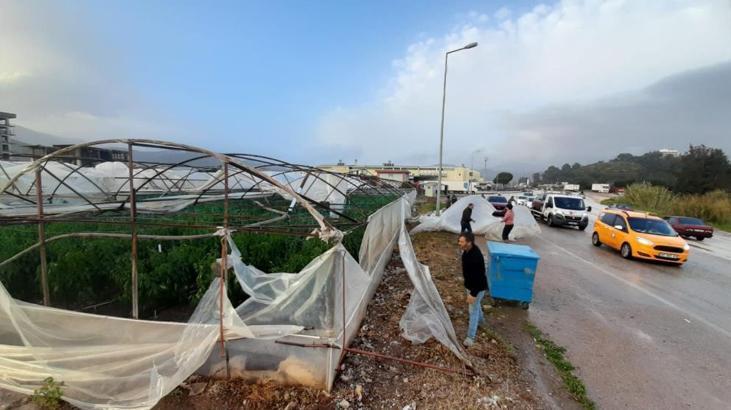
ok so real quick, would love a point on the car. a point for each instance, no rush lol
(688, 226)
(639, 235)
(562, 210)
(499, 202)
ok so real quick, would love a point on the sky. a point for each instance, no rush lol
(318, 82)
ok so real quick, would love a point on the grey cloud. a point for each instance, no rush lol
(693, 107)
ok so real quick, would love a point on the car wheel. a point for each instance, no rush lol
(549, 221)
(700, 238)
(595, 240)
(525, 305)
(582, 228)
(626, 251)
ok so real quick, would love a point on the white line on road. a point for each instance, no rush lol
(648, 293)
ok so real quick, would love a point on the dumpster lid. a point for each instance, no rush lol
(509, 249)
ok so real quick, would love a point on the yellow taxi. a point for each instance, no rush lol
(639, 235)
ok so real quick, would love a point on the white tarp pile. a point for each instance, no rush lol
(291, 329)
(485, 223)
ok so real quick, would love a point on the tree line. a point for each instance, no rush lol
(702, 169)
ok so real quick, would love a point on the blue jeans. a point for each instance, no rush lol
(475, 315)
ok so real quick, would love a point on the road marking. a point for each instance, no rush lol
(647, 292)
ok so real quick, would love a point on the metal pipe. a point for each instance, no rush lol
(133, 227)
(42, 240)
(441, 135)
(441, 130)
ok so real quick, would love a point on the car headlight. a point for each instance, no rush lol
(643, 241)
(686, 247)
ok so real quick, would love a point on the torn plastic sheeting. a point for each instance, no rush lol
(426, 315)
(485, 223)
(108, 362)
(329, 298)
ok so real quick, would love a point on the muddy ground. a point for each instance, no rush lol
(513, 373)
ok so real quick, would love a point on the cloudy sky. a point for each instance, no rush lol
(316, 82)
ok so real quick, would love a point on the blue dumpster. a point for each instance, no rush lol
(510, 272)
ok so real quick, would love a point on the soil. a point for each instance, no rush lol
(512, 372)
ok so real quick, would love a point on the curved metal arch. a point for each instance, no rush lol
(326, 229)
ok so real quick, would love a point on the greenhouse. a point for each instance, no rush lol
(276, 262)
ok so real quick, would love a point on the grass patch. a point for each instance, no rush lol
(425, 207)
(713, 207)
(556, 355)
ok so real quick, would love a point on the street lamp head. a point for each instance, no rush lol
(470, 45)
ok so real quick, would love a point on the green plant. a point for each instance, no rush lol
(713, 207)
(48, 396)
(556, 355)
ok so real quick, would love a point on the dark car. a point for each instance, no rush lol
(498, 202)
(687, 226)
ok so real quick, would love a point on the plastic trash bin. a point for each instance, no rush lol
(511, 270)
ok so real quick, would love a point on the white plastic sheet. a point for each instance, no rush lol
(108, 362)
(485, 223)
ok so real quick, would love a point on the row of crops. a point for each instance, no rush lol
(84, 272)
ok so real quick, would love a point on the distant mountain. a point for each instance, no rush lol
(28, 136)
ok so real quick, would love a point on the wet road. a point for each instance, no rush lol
(642, 335)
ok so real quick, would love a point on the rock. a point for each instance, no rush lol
(290, 406)
(359, 392)
(197, 388)
(410, 406)
(345, 378)
(343, 404)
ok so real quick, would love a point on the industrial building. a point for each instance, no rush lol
(12, 149)
(460, 179)
(6, 132)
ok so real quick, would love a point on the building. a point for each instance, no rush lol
(669, 152)
(397, 176)
(91, 156)
(454, 178)
(6, 133)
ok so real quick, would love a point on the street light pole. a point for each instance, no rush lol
(441, 132)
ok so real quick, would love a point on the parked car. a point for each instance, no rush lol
(499, 202)
(562, 210)
(687, 226)
(639, 235)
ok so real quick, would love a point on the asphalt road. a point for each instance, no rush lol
(642, 335)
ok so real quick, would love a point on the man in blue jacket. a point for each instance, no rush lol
(475, 282)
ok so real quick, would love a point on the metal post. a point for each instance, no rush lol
(224, 267)
(441, 134)
(342, 352)
(444, 103)
(133, 227)
(42, 240)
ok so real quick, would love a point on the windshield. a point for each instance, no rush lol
(651, 226)
(690, 221)
(497, 199)
(576, 204)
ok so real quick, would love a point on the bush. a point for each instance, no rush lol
(48, 396)
(713, 207)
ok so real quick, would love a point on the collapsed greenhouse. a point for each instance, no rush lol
(285, 261)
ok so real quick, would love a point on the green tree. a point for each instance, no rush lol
(503, 178)
(551, 175)
(703, 169)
